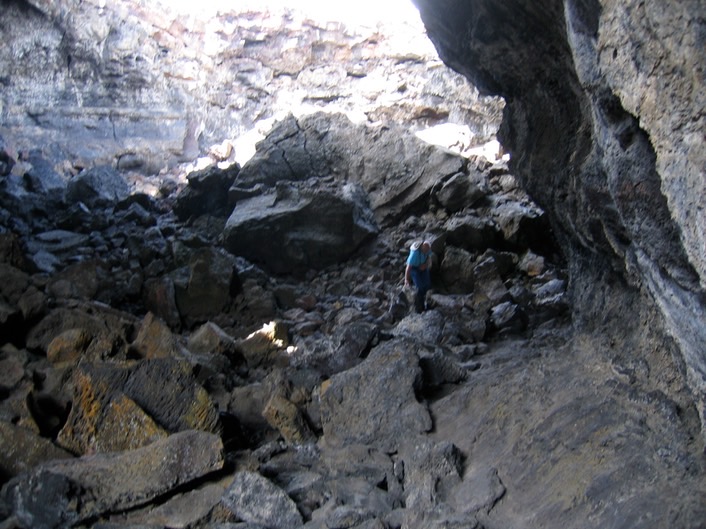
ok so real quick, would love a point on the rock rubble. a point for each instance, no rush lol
(134, 325)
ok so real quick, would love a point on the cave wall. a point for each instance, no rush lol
(140, 87)
(604, 121)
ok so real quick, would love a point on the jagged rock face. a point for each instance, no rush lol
(142, 86)
(604, 121)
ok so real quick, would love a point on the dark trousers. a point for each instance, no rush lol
(422, 282)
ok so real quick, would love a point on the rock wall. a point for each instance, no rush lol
(142, 86)
(604, 121)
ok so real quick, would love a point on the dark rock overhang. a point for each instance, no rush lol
(602, 122)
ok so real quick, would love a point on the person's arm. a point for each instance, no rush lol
(408, 275)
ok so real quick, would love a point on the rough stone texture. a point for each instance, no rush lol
(587, 445)
(386, 383)
(207, 192)
(203, 288)
(167, 390)
(459, 417)
(23, 450)
(104, 420)
(305, 228)
(113, 482)
(253, 498)
(396, 170)
(141, 86)
(614, 152)
(109, 329)
(154, 339)
(179, 511)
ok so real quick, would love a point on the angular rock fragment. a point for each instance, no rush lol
(23, 449)
(283, 415)
(207, 192)
(97, 187)
(374, 403)
(155, 339)
(168, 391)
(105, 420)
(304, 229)
(80, 489)
(255, 499)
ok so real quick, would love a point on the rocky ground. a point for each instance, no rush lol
(210, 357)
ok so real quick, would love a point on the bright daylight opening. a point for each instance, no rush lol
(398, 20)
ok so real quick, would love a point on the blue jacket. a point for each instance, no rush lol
(417, 258)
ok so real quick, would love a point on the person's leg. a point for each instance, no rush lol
(420, 293)
(424, 286)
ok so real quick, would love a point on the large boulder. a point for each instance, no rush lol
(207, 192)
(396, 169)
(294, 229)
(375, 402)
(99, 186)
(80, 489)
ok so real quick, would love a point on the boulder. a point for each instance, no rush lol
(461, 191)
(210, 339)
(77, 490)
(69, 346)
(41, 177)
(375, 402)
(265, 345)
(110, 330)
(490, 288)
(168, 391)
(47, 248)
(14, 283)
(508, 317)
(206, 192)
(247, 404)
(440, 369)
(103, 419)
(283, 415)
(306, 228)
(11, 251)
(190, 508)
(457, 270)
(160, 298)
(97, 187)
(332, 353)
(256, 500)
(324, 145)
(88, 280)
(12, 369)
(471, 232)
(424, 329)
(155, 339)
(23, 450)
(523, 226)
(431, 471)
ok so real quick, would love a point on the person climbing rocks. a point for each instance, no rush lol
(418, 271)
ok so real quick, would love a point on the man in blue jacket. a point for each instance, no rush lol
(418, 272)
